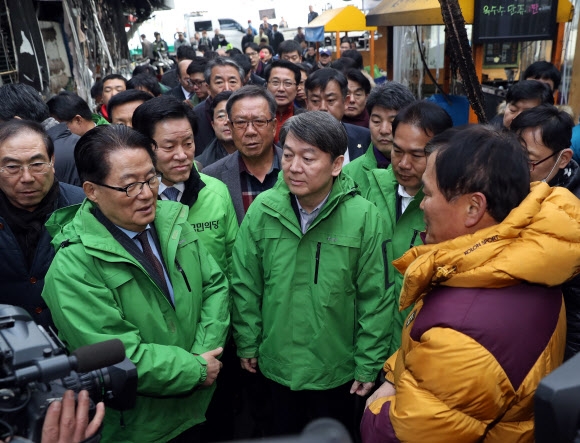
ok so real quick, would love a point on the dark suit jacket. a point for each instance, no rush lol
(170, 78)
(228, 171)
(177, 92)
(256, 80)
(359, 140)
(205, 133)
(64, 147)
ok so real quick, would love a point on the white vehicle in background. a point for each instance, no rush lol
(230, 28)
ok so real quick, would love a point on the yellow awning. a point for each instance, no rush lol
(428, 12)
(349, 18)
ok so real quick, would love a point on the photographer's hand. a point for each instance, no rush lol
(63, 424)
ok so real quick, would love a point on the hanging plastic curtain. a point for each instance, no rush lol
(314, 34)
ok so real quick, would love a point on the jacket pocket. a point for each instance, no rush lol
(115, 277)
(384, 247)
(332, 263)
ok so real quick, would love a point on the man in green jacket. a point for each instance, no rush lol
(172, 124)
(130, 267)
(383, 104)
(397, 191)
(310, 301)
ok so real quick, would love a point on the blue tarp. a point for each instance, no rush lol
(314, 34)
(457, 106)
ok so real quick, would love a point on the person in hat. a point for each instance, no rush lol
(325, 58)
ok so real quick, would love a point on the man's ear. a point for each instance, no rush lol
(565, 158)
(337, 165)
(476, 208)
(90, 191)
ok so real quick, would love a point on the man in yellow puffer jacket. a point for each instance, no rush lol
(489, 322)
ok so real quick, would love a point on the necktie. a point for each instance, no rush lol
(150, 256)
(171, 193)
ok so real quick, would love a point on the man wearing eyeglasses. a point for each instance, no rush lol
(23, 101)
(221, 74)
(282, 79)
(255, 166)
(132, 267)
(29, 193)
(546, 132)
(196, 73)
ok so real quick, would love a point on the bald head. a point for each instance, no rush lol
(182, 75)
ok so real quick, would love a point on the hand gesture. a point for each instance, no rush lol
(249, 364)
(213, 365)
(386, 390)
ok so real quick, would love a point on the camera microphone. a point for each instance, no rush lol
(91, 357)
(84, 359)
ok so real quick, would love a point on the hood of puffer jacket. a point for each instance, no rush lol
(538, 242)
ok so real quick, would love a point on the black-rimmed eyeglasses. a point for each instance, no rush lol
(134, 189)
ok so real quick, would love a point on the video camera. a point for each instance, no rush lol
(36, 370)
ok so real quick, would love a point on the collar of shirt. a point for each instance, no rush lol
(186, 93)
(405, 198)
(275, 163)
(131, 234)
(306, 218)
(179, 186)
(346, 158)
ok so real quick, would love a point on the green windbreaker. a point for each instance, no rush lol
(96, 291)
(314, 308)
(214, 219)
(359, 169)
(403, 234)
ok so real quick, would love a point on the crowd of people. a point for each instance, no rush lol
(276, 241)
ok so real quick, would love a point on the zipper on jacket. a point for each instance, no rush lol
(354, 323)
(386, 263)
(317, 263)
(180, 269)
(415, 234)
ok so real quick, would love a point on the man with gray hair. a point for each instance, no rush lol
(308, 282)
(221, 74)
(383, 104)
(254, 167)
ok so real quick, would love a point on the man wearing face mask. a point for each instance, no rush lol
(545, 132)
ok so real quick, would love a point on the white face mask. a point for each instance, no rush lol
(553, 167)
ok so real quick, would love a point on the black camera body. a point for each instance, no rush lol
(35, 370)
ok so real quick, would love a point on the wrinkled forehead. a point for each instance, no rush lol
(24, 143)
